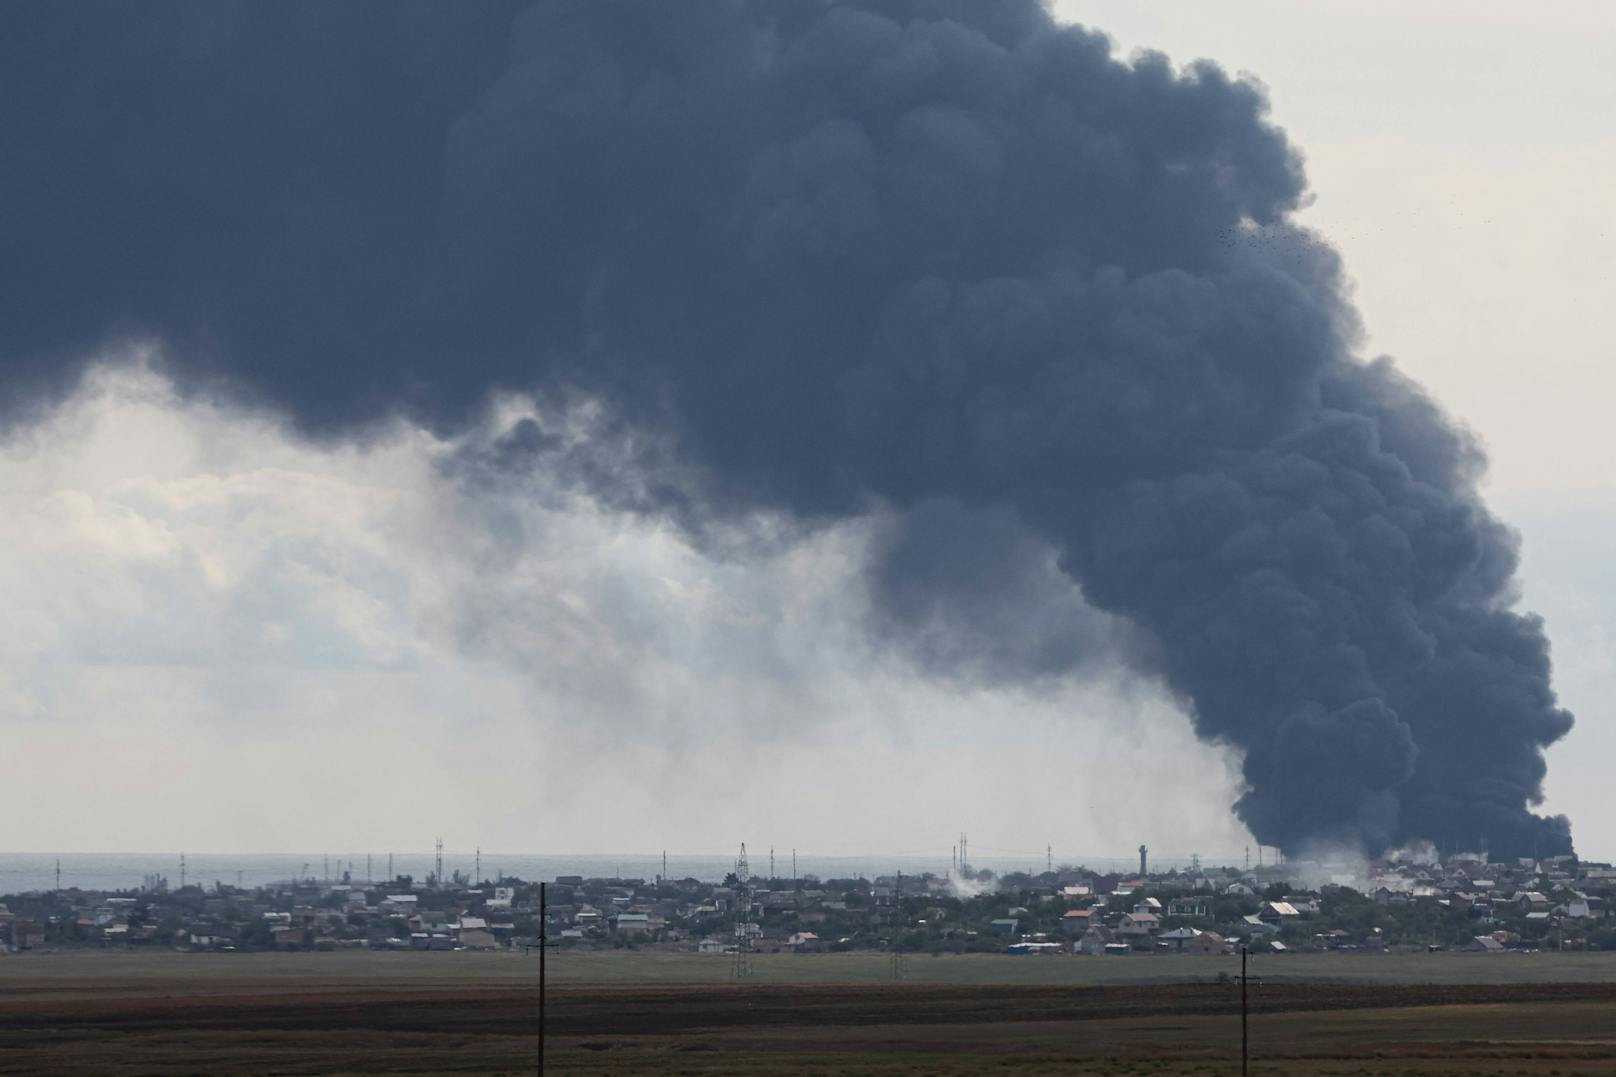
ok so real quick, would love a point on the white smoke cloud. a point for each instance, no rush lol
(222, 635)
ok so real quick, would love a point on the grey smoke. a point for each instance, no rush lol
(945, 257)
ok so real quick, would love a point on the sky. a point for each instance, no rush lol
(224, 636)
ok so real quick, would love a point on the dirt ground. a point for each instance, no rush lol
(186, 1017)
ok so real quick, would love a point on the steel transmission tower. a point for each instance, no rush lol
(742, 965)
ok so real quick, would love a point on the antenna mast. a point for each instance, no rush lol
(743, 917)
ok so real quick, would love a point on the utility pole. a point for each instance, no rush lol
(894, 922)
(544, 944)
(1245, 1052)
(795, 877)
(771, 863)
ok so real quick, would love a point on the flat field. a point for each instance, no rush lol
(1403, 1015)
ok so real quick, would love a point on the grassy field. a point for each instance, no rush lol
(1403, 1015)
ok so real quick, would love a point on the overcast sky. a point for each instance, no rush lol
(222, 637)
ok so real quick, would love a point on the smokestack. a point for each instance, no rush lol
(946, 258)
(1144, 870)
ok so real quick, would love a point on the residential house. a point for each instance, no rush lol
(1189, 907)
(1077, 921)
(1207, 944)
(1277, 912)
(1178, 938)
(1138, 925)
(1094, 941)
(1256, 926)
(478, 939)
(634, 923)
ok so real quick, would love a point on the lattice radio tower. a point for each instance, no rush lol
(741, 967)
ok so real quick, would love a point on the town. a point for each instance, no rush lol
(1461, 903)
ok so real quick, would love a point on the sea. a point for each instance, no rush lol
(32, 872)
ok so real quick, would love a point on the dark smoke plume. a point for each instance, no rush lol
(901, 252)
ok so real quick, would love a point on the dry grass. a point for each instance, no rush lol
(392, 1014)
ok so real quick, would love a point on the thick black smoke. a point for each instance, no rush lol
(911, 252)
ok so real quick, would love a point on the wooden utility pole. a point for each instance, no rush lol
(544, 942)
(1245, 1054)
